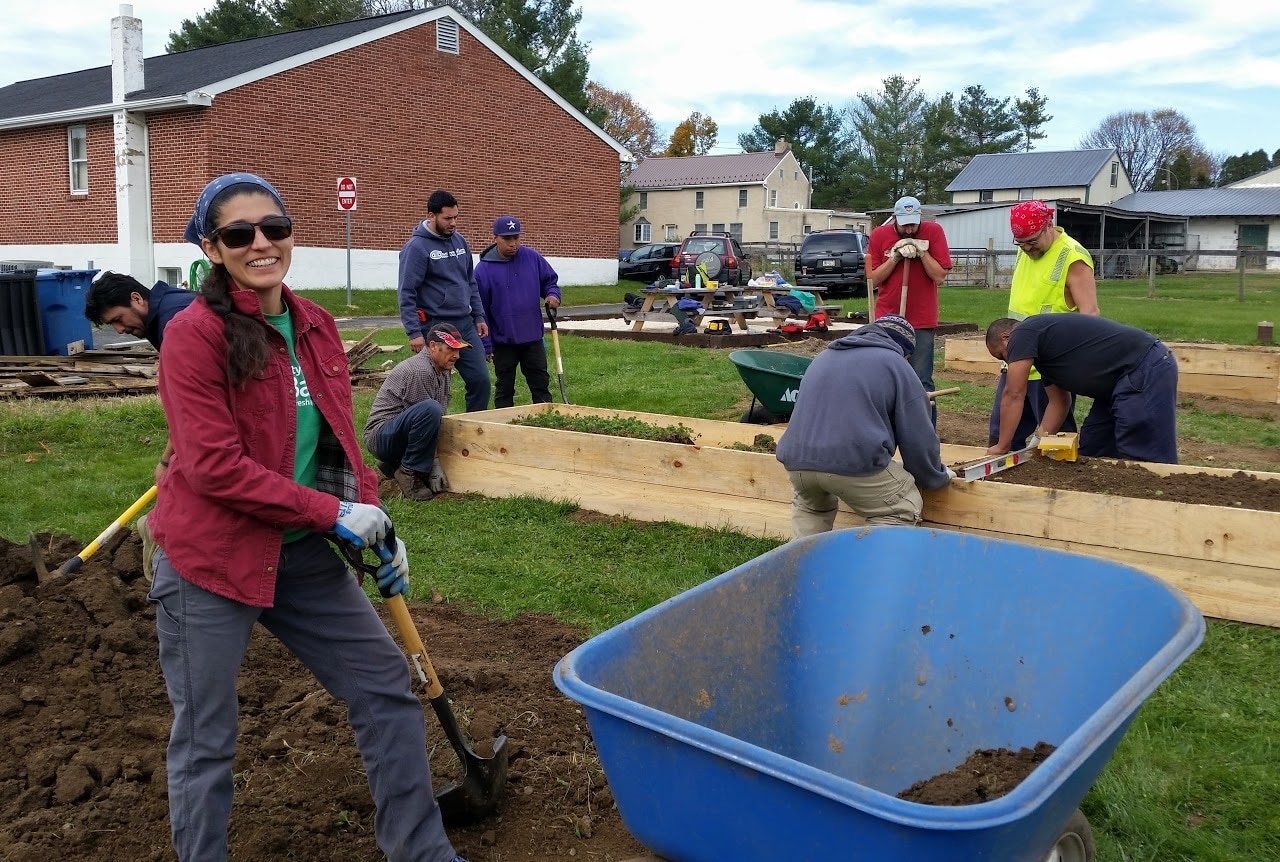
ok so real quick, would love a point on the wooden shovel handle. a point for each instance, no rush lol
(950, 390)
(413, 644)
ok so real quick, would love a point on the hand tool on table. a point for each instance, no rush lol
(483, 778)
(555, 343)
(1062, 446)
(71, 566)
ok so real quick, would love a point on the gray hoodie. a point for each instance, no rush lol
(859, 401)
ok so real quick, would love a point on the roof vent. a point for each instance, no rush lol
(447, 36)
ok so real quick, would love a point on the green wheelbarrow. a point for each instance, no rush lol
(774, 380)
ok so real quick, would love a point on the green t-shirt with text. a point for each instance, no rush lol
(309, 419)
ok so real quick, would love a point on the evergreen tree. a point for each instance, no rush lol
(1032, 117)
(885, 129)
(985, 124)
(227, 21)
(813, 131)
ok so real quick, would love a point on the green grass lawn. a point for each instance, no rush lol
(1197, 777)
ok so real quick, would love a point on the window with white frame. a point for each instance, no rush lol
(717, 227)
(1025, 194)
(773, 197)
(1115, 174)
(773, 230)
(644, 231)
(700, 228)
(698, 199)
(808, 228)
(735, 230)
(644, 200)
(671, 234)
(170, 275)
(986, 196)
(447, 36)
(742, 198)
(78, 159)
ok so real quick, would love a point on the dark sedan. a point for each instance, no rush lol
(649, 262)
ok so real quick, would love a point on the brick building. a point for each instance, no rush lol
(105, 164)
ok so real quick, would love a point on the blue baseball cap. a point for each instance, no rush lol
(506, 226)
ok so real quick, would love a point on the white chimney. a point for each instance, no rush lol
(126, 54)
(781, 146)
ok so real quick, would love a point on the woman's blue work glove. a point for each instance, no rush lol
(361, 524)
(393, 574)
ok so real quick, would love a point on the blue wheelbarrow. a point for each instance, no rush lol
(774, 380)
(776, 711)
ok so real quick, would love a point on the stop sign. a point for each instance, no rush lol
(346, 193)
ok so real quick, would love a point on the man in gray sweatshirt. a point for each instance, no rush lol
(859, 403)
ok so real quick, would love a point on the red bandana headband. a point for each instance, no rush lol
(1029, 218)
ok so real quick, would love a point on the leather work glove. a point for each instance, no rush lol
(909, 250)
(922, 245)
(437, 481)
(393, 574)
(361, 524)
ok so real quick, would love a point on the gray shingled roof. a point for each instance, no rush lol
(663, 172)
(1031, 170)
(175, 74)
(1260, 201)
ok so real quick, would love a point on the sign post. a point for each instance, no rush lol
(347, 202)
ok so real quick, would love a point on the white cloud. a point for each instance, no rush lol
(1217, 63)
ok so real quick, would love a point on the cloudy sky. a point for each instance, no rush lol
(1219, 64)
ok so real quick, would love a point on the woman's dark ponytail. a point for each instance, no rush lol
(247, 347)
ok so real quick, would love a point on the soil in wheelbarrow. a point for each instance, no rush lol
(984, 775)
(1239, 490)
(84, 721)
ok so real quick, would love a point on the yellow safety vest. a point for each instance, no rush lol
(1040, 284)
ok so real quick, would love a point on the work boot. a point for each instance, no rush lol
(686, 327)
(387, 470)
(148, 546)
(412, 484)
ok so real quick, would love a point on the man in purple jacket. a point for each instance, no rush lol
(514, 280)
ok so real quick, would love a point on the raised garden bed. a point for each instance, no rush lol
(1222, 557)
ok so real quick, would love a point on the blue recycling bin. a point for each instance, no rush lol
(62, 295)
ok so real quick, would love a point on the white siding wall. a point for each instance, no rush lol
(1223, 234)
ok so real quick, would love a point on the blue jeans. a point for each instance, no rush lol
(1139, 422)
(324, 618)
(410, 438)
(922, 364)
(471, 366)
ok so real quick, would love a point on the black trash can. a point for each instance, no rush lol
(21, 333)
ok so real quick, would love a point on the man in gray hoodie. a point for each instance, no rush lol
(859, 402)
(438, 285)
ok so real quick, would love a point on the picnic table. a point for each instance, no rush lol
(708, 297)
(770, 308)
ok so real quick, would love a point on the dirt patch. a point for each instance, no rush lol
(1238, 491)
(984, 775)
(84, 721)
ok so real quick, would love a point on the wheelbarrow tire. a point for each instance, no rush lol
(758, 414)
(1075, 841)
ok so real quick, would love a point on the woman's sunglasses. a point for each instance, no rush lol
(238, 234)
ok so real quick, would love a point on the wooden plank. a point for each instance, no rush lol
(1229, 386)
(1196, 532)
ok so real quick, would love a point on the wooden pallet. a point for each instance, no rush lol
(1226, 560)
(1224, 370)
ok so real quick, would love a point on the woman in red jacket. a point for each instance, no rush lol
(266, 461)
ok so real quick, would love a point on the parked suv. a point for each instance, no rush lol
(720, 253)
(834, 260)
(649, 262)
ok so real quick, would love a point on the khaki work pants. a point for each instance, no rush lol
(888, 497)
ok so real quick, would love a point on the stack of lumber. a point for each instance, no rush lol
(120, 372)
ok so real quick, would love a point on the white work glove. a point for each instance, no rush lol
(437, 481)
(393, 574)
(910, 251)
(1034, 439)
(361, 524)
(951, 474)
(905, 247)
(922, 245)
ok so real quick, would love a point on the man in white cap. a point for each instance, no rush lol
(908, 259)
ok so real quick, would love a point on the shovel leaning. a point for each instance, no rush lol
(71, 566)
(555, 344)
